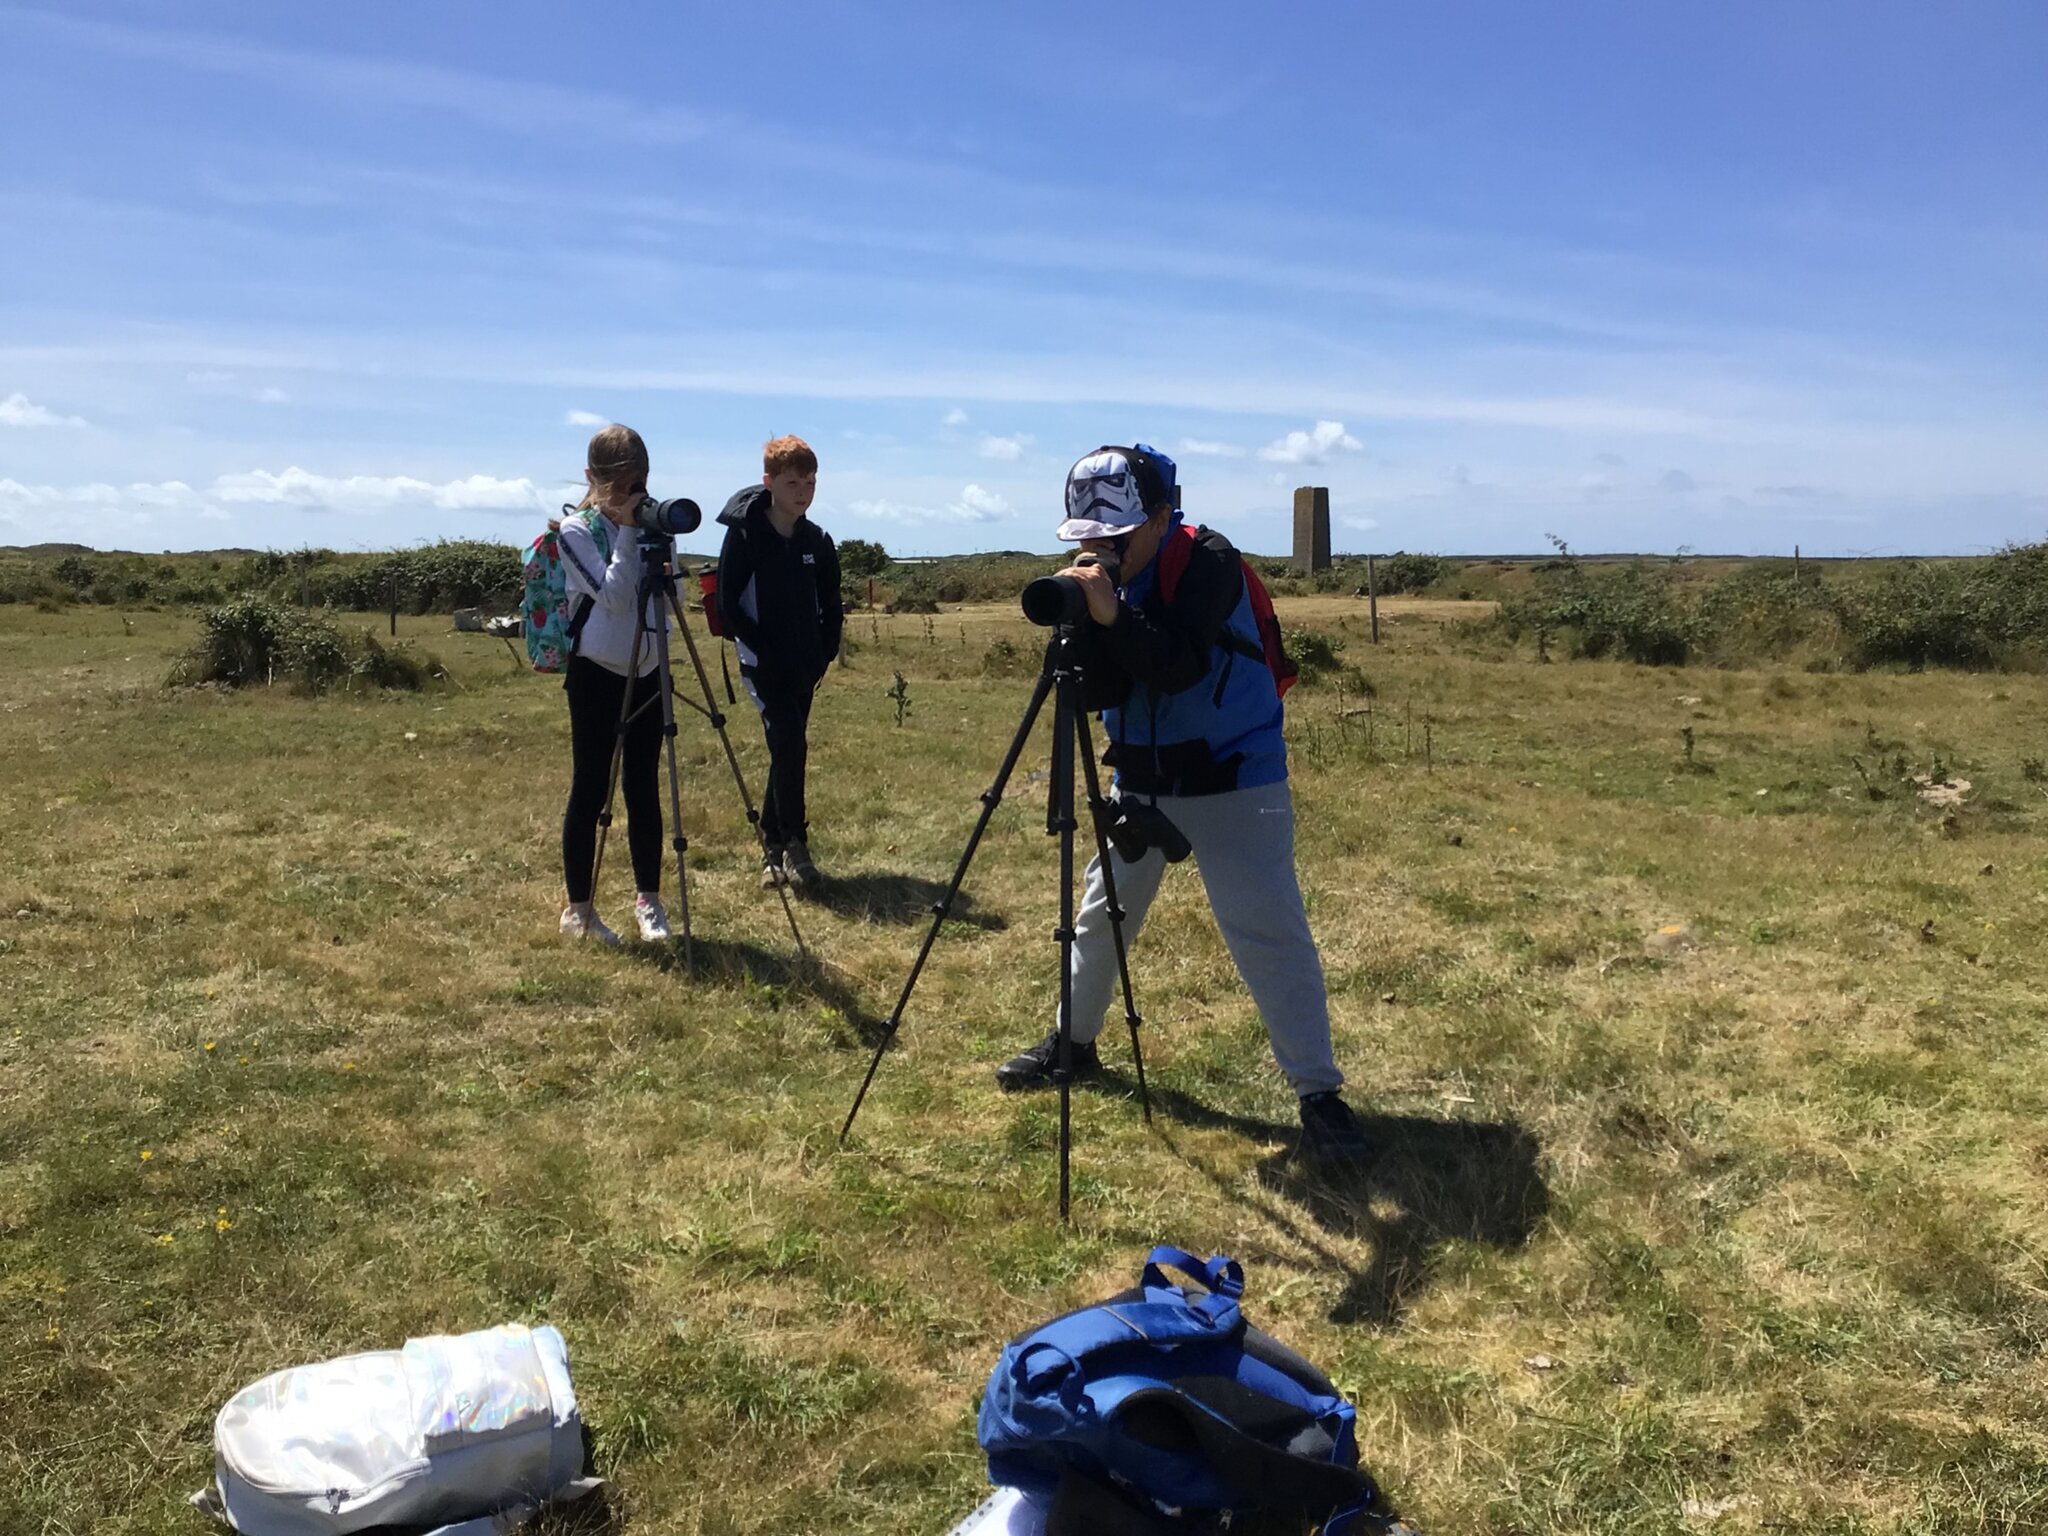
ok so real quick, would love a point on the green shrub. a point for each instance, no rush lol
(75, 573)
(1006, 658)
(254, 642)
(1763, 612)
(23, 580)
(917, 592)
(1403, 572)
(862, 558)
(1319, 659)
(1634, 612)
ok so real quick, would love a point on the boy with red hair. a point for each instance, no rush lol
(778, 597)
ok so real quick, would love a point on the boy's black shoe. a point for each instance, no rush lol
(797, 868)
(1033, 1068)
(1330, 1132)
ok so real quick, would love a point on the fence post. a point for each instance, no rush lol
(1372, 597)
(393, 586)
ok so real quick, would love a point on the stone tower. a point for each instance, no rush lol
(1311, 528)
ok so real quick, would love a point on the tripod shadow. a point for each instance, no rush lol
(1432, 1182)
(738, 965)
(881, 896)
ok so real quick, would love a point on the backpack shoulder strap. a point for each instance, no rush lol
(1173, 561)
(593, 524)
(1249, 1459)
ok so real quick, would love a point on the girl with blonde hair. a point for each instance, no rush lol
(602, 567)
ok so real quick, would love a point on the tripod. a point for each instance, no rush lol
(1061, 678)
(658, 570)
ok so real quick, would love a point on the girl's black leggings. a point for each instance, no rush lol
(595, 695)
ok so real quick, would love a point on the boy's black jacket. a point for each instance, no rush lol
(796, 592)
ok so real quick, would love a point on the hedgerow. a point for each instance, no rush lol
(1915, 613)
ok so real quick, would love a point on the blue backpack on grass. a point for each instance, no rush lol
(1165, 1398)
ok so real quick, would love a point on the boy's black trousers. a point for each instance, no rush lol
(786, 720)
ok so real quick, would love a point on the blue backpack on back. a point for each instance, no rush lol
(552, 624)
(1167, 1395)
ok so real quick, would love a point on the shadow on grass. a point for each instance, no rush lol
(879, 896)
(1431, 1182)
(595, 1514)
(741, 966)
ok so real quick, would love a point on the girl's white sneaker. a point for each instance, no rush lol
(582, 922)
(653, 919)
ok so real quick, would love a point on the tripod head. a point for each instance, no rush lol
(657, 566)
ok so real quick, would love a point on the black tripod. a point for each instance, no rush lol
(1060, 677)
(658, 570)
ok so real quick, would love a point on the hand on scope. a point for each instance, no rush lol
(1099, 588)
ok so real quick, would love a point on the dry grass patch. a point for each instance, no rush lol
(1770, 1201)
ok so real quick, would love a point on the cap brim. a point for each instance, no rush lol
(1075, 528)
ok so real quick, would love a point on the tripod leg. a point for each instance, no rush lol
(1097, 808)
(990, 799)
(679, 840)
(709, 709)
(1059, 820)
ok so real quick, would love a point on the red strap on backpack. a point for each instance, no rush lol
(1174, 555)
(707, 589)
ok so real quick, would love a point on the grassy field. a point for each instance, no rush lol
(1707, 1069)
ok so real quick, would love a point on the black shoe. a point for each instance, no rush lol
(1330, 1132)
(1033, 1068)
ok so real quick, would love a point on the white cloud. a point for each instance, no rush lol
(1198, 445)
(270, 394)
(953, 418)
(1008, 449)
(15, 496)
(888, 511)
(362, 493)
(979, 506)
(1311, 447)
(294, 487)
(974, 505)
(17, 410)
(585, 419)
(209, 376)
(1361, 523)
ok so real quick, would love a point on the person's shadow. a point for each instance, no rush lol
(739, 964)
(883, 896)
(1431, 1182)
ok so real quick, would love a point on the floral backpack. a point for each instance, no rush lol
(551, 627)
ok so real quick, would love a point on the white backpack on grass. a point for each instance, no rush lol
(454, 1435)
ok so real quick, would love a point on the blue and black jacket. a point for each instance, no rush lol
(1195, 710)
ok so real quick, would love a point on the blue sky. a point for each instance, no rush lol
(1734, 276)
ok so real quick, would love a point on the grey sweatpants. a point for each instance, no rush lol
(1244, 846)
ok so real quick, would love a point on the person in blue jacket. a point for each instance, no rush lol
(1193, 717)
